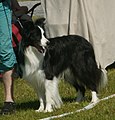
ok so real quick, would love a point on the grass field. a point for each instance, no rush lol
(27, 102)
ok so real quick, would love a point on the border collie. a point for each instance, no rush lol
(43, 61)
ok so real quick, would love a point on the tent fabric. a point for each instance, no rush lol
(92, 19)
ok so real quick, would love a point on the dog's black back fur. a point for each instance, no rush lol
(75, 53)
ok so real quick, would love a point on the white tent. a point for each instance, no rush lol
(92, 19)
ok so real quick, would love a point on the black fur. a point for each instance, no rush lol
(75, 53)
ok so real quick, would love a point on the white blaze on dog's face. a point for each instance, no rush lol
(44, 41)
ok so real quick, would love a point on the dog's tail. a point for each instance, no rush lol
(103, 78)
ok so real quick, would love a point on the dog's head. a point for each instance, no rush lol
(33, 35)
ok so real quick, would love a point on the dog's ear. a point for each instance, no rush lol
(40, 22)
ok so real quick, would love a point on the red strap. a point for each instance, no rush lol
(17, 34)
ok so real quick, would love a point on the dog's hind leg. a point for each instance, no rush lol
(80, 94)
(53, 99)
(102, 83)
(80, 89)
(72, 79)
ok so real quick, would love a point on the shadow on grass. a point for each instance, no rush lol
(68, 99)
(28, 105)
(35, 104)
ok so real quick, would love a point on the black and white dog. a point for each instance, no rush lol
(43, 60)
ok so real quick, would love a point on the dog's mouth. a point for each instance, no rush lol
(41, 49)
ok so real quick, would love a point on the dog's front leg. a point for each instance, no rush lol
(49, 95)
(42, 105)
(42, 98)
(53, 99)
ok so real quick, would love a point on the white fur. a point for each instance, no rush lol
(32, 72)
(94, 97)
(43, 40)
(53, 99)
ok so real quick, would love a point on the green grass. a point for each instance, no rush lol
(27, 102)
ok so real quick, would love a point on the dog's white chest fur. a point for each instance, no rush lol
(32, 70)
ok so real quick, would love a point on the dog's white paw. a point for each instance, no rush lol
(94, 97)
(41, 109)
(95, 100)
(48, 108)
